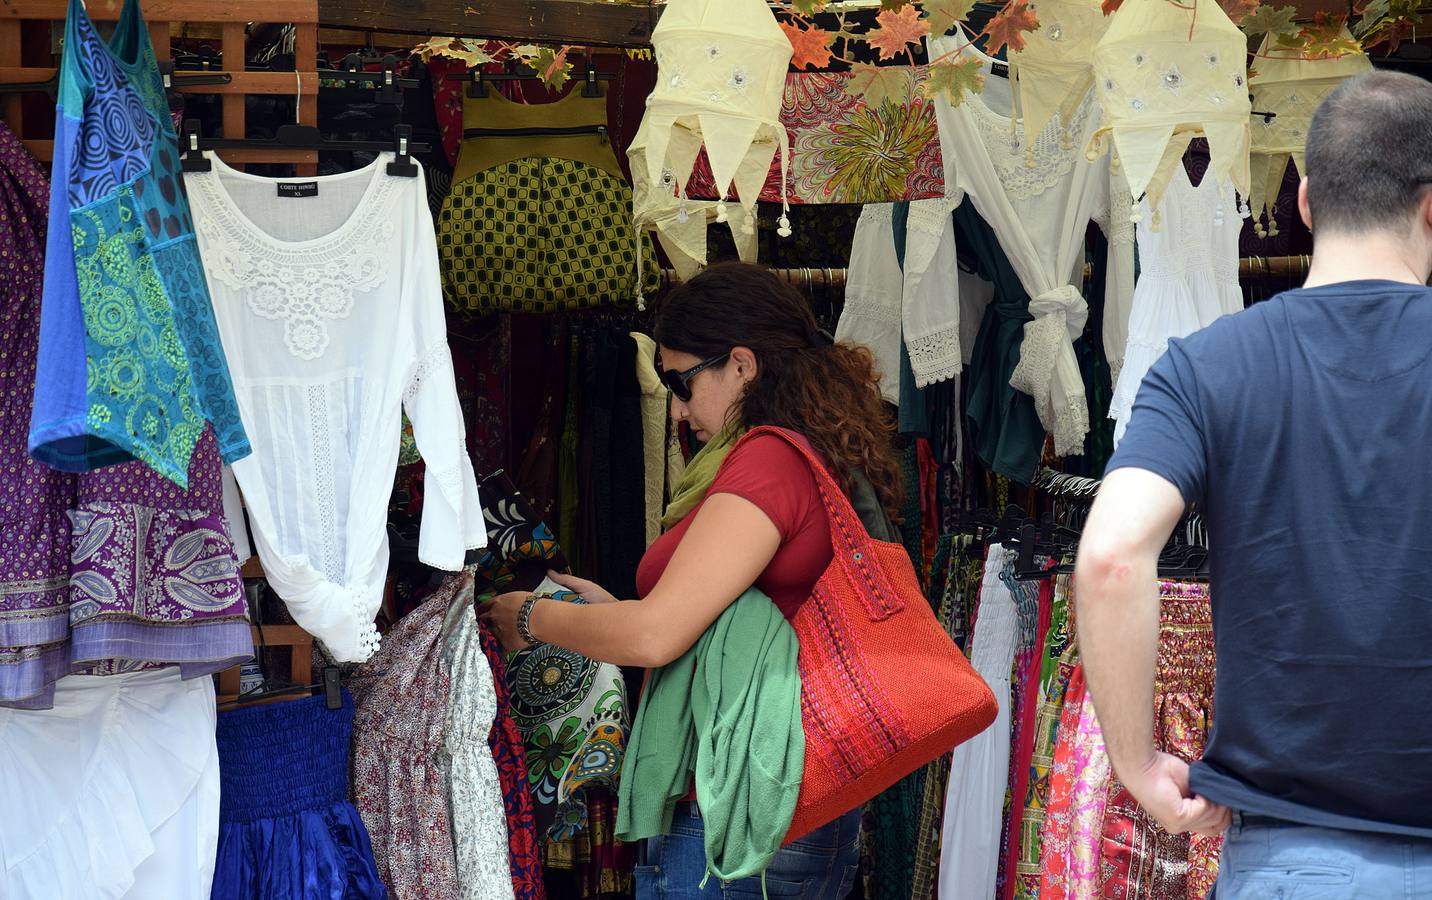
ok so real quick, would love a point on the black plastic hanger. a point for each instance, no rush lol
(300, 137)
(390, 86)
(477, 80)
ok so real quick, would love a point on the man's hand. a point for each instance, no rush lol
(1161, 787)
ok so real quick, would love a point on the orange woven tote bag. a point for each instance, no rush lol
(883, 688)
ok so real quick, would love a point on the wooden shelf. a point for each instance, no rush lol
(584, 22)
(300, 647)
(167, 10)
(25, 32)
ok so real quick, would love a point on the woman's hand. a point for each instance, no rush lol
(500, 613)
(589, 591)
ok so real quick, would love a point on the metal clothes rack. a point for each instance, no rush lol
(1249, 267)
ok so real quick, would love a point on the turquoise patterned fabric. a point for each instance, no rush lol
(130, 364)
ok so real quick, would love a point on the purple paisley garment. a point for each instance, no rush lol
(113, 570)
(34, 530)
(153, 577)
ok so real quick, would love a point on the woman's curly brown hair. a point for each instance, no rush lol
(828, 392)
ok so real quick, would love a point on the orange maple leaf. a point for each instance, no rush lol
(897, 29)
(811, 46)
(1008, 26)
(1110, 7)
(1238, 10)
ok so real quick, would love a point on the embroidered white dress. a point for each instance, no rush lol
(1188, 276)
(1038, 194)
(330, 309)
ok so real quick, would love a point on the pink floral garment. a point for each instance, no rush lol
(401, 700)
(1058, 826)
(1087, 798)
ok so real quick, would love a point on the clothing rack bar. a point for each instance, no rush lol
(806, 279)
(1274, 266)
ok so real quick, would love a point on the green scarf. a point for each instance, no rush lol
(700, 472)
(728, 712)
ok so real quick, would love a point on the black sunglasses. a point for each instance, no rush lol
(679, 383)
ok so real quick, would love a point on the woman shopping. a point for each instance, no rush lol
(748, 536)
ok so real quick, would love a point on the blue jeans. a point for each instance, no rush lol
(819, 866)
(1270, 859)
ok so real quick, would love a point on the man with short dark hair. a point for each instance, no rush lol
(1301, 429)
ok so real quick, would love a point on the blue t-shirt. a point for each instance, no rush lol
(1302, 428)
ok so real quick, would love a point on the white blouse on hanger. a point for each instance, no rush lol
(1038, 197)
(1188, 276)
(329, 305)
(919, 302)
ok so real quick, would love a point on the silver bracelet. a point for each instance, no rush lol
(524, 615)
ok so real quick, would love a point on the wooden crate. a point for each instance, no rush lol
(25, 28)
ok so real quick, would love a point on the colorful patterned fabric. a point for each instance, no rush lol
(1141, 860)
(153, 576)
(1058, 828)
(124, 287)
(572, 713)
(1027, 653)
(521, 548)
(592, 863)
(539, 235)
(397, 785)
(1041, 764)
(1088, 798)
(35, 542)
(844, 150)
(511, 758)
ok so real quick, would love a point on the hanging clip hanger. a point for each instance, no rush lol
(477, 80)
(403, 166)
(390, 85)
(173, 80)
(298, 136)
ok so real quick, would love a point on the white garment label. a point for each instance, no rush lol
(298, 189)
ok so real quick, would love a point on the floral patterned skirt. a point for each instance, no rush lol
(1139, 858)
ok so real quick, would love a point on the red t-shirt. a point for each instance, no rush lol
(775, 476)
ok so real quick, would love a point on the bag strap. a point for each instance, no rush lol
(852, 547)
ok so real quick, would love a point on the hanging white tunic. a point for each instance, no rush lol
(329, 305)
(1038, 193)
(1188, 276)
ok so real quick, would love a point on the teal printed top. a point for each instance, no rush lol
(130, 363)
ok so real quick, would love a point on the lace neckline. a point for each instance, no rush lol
(1025, 168)
(303, 284)
(228, 210)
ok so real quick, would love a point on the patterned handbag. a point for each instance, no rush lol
(883, 688)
